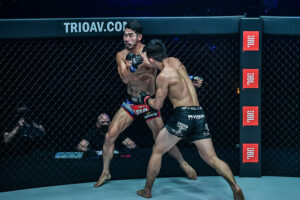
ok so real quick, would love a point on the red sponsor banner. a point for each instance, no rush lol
(250, 115)
(250, 40)
(250, 78)
(250, 153)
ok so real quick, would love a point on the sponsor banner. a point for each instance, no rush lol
(250, 115)
(250, 40)
(93, 26)
(250, 153)
(250, 78)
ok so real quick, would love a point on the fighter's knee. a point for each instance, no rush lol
(110, 136)
(212, 160)
(157, 149)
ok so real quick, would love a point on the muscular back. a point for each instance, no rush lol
(181, 90)
(143, 79)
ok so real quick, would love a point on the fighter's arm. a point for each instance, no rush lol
(123, 67)
(162, 84)
(146, 62)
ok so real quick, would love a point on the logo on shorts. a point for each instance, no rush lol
(250, 40)
(250, 153)
(250, 115)
(139, 109)
(195, 117)
(181, 127)
(250, 78)
(192, 108)
(207, 130)
(205, 134)
(149, 114)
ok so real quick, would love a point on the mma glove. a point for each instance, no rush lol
(136, 61)
(195, 77)
(144, 97)
(129, 56)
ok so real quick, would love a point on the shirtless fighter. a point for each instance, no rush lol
(135, 71)
(187, 121)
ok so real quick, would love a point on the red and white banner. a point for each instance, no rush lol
(250, 115)
(250, 40)
(250, 153)
(250, 78)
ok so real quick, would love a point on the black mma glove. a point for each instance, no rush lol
(136, 61)
(129, 56)
(143, 98)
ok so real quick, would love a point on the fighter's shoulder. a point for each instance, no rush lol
(162, 77)
(172, 61)
(122, 54)
(171, 65)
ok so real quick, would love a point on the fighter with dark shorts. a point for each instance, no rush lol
(187, 120)
(188, 123)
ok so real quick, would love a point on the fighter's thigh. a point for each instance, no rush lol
(205, 148)
(165, 141)
(119, 123)
(156, 126)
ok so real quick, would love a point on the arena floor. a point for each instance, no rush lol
(205, 188)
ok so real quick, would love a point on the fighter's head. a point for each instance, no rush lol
(156, 52)
(132, 34)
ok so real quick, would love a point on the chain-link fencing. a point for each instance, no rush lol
(66, 83)
(280, 106)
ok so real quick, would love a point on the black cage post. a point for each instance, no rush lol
(250, 96)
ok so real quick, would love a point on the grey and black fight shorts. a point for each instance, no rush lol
(134, 109)
(188, 123)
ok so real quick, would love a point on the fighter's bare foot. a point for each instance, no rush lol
(238, 194)
(190, 172)
(144, 194)
(104, 177)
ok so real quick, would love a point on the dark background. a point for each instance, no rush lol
(118, 8)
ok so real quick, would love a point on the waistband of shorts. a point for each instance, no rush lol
(132, 99)
(188, 108)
